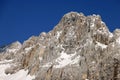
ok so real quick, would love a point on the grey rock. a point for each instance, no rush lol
(78, 48)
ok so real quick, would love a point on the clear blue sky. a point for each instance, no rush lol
(20, 19)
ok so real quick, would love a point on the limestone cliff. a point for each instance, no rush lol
(78, 48)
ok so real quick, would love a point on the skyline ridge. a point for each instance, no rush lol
(21, 19)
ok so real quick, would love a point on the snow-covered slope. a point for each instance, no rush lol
(20, 75)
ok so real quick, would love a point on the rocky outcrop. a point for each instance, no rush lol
(10, 51)
(78, 48)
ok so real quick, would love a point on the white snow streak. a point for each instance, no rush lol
(101, 45)
(110, 35)
(29, 48)
(5, 61)
(40, 58)
(92, 24)
(118, 40)
(64, 60)
(58, 34)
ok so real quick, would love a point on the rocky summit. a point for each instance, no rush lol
(78, 48)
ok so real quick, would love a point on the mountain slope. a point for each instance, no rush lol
(78, 48)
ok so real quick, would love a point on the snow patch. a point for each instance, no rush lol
(58, 34)
(76, 60)
(40, 58)
(92, 24)
(113, 44)
(3, 67)
(5, 61)
(110, 35)
(20, 75)
(102, 22)
(118, 40)
(93, 62)
(66, 59)
(12, 50)
(101, 45)
(28, 48)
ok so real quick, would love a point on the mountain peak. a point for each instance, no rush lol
(79, 20)
(78, 48)
(73, 14)
(76, 26)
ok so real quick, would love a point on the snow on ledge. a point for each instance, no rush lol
(63, 60)
(118, 40)
(58, 34)
(101, 45)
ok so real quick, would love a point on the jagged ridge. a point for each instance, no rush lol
(78, 48)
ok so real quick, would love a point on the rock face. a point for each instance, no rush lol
(78, 48)
(9, 51)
